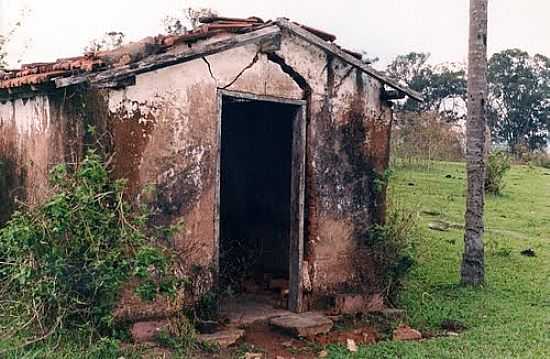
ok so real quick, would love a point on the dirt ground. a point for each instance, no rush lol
(263, 340)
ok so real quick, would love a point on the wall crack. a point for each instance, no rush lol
(287, 69)
(348, 73)
(247, 67)
(210, 70)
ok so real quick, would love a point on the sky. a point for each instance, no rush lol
(54, 29)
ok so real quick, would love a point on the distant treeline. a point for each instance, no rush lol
(518, 110)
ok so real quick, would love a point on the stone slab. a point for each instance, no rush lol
(302, 325)
(247, 309)
(404, 333)
(224, 338)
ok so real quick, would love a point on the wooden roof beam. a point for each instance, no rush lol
(342, 55)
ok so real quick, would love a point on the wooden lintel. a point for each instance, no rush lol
(265, 98)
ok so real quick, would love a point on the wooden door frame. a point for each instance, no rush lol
(297, 191)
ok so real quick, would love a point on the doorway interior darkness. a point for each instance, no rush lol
(257, 198)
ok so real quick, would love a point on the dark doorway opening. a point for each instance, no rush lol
(256, 170)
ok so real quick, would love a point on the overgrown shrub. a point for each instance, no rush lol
(180, 336)
(393, 244)
(62, 264)
(498, 164)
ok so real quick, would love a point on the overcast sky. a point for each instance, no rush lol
(383, 28)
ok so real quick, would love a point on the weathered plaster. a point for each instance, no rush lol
(165, 130)
(163, 137)
(344, 147)
(27, 145)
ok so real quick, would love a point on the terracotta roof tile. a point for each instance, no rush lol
(322, 34)
(37, 73)
(33, 79)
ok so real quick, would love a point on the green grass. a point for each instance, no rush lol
(510, 316)
(70, 346)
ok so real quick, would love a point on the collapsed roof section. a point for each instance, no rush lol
(119, 67)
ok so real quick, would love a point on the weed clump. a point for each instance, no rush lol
(498, 164)
(62, 263)
(387, 253)
(394, 247)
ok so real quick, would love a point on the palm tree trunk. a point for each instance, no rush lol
(473, 261)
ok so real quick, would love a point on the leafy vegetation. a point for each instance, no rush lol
(188, 20)
(519, 89)
(3, 53)
(62, 264)
(8, 36)
(424, 137)
(71, 345)
(509, 316)
(519, 93)
(498, 164)
(393, 244)
(108, 41)
(180, 338)
(443, 86)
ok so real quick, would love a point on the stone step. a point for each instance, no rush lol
(302, 325)
(224, 338)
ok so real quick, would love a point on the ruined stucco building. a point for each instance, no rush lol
(263, 133)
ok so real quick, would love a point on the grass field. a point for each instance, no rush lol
(510, 316)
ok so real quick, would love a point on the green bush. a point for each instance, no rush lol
(394, 246)
(62, 264)
(498, 164)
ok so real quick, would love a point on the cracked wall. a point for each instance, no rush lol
(163, 136)
(165, 130)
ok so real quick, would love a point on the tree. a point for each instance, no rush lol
(367, 58)
(8, 36)
(3, 53)
(473, 260)
(519, 99)
(109, 41)
(10, 33)
(443, 86)
(424, 136)
(177, 25)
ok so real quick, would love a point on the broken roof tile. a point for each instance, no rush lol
(36, 73)
(322, 34)
(33, 79)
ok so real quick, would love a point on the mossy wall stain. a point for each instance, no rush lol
(35, 135)
(346, 149)
(161, 134)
